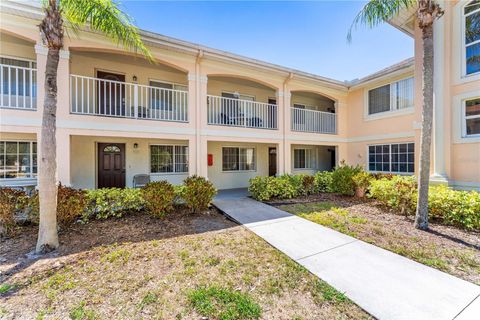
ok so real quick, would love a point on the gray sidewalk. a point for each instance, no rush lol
(386, 285)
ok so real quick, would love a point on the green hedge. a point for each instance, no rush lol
(454, 207)
(459, 208)
(157, 198)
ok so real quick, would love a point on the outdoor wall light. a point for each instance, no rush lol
(135, 145)
(135, 78)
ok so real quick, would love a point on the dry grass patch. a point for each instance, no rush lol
(182, 267)
(446, 248)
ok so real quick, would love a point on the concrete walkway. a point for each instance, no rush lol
(386, 285)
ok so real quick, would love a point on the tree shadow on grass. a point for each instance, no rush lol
(15, 252)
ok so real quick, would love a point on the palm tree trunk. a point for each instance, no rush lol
(421, 217)
(47, 233)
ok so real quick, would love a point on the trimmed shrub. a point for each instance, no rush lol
(71, 205)
(11, 202)
(198, 193)
(282, 187)
(113, 202)
(460, 208)
(398, 193)
(342, 179)
(159, 197)
(308, 184)
(258, 188)
(323, 181)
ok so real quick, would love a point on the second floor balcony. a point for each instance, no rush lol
(312, 113)
(101, 97)
(313, 121)
(235, 112)
(18, 85)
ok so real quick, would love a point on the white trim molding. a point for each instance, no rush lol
(458, 127)
(458, 46)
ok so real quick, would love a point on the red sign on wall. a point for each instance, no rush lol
(210, 160)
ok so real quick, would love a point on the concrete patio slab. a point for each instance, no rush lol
(300, 238)
(385, 284)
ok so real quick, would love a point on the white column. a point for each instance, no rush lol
(439, 167)
(201, 124)
(63, 157)
(193, 114)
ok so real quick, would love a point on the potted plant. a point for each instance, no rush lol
(362, 182)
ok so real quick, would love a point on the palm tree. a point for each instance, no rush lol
(427, 11)
(99, 15)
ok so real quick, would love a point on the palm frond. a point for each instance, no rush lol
(376, 12)
(106, 17)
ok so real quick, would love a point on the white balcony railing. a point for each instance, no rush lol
(241, 113)
(305, 120)
(18, 87)
(93, 96)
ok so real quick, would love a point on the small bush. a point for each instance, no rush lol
(11, 202)
(258, 188)
(308, 184)
(460, 208)
(159, 197)
(398, 193)
(323, 181)
(223, 303)
(267, 188)
(198, 193)
(342, 179)
(71, 205)
(113, 202)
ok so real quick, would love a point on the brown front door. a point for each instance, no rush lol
(111, 95)
(111, 165)
(272, 161)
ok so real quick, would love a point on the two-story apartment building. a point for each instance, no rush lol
(202, 111)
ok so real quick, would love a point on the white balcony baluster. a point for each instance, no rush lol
(241, 113)
(18, 87)
(93, 96)
(305, 120)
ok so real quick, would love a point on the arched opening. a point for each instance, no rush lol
(313, 112)
(241, 102)
(18, 72)
(124, 85)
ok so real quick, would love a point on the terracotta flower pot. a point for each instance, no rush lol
(360, 192)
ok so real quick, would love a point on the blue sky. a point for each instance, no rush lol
(309, 36)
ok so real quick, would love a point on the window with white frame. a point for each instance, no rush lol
(18, 159)
(302, 159)
(238, 159)
(392, 158)
(168, 159)
(471, 14)
(391, 97)
(472, 117)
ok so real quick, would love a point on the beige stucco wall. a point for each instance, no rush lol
(15, 47)
(88, 63)
(312, 101)
(229, 180)
(261, 93)
(83, 157)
